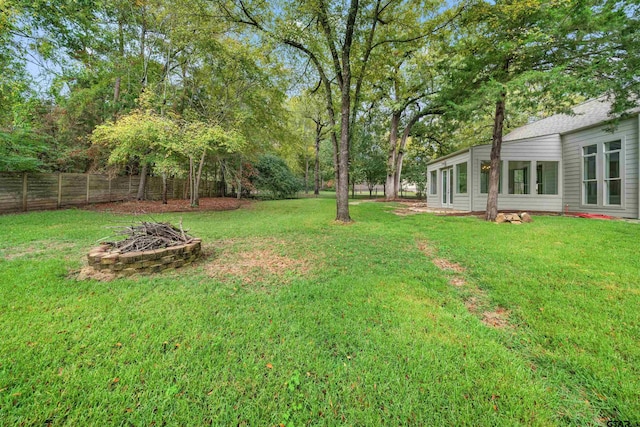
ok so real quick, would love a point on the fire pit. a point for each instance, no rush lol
(149, 248)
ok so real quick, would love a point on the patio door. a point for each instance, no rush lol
(447, 187)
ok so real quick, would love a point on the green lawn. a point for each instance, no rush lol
(295, 319)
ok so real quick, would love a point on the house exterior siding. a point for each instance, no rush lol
(563, 163)
(545, 148)
(573, 143)
(461, 201)
(533, 150)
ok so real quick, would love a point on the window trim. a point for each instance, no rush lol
(541, 163)
(433, 185)
(466, 178)
(584, 181)
(600, 172)
(526, 178)
(606, 180)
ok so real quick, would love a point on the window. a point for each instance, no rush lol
(547, 177)
(434, 182)
(589, 175)
(519, 173)
(612, 176)
(461, 178)
(445, 185)
(485, 167)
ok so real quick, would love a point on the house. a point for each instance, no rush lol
(563, 163)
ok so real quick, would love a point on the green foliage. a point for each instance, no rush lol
(21, 151)
(368, 160)
(140, 134)
(415, 166)
(274, 179)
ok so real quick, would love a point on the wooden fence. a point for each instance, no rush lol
(22, 192)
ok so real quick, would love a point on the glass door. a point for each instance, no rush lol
(447, 187)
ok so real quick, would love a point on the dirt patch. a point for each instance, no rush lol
(411, 208)
(478, 301)
(426, 248)
(88, 272)
(259, 264)
(176, 205)
(496, 319)
(445, 264)
(472, 304)
(457, 281)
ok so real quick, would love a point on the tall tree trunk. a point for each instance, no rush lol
(342, 189)
(400, 155)
(496, 146)
(239, 195)
(116, 86)
(306, 174)
(191, 179)
(316, 171)
(164, 188)
(391, 157)
(143, 46)
(195, 197)
(143, 181)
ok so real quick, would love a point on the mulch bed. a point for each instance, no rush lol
(148, 207)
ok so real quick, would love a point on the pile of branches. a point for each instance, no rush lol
(149, 236)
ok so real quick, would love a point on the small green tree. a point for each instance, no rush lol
(196, 141)
(275, 178)
(141, 134)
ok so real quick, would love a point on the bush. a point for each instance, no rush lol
(274, 179)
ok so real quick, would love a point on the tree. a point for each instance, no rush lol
(330, 35)
(518, 52)
(141, 134)
(275, 178)
(311, 123)
(197, 140)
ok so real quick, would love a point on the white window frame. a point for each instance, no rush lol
(605, 179)
(585, 181)
(433, 185)
(466, 178)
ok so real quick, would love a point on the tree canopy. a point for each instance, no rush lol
(229, 81)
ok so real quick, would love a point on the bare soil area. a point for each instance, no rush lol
(144, 207)
(255, 261)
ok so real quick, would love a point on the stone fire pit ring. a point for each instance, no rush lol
(107, 259)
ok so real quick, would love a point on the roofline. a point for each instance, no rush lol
(602, 123)
(455, 153)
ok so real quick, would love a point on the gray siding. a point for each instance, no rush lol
(544, 148)
(461, 202)
(627, 132)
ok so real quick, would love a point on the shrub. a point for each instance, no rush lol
(274, 179)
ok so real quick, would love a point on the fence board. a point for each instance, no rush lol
(42, 191)
(50, 191)
(10, 192)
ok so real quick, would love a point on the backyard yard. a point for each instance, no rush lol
(293, 319)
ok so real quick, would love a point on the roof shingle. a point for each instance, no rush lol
(587, 114)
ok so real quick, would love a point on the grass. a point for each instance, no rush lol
(353, 325)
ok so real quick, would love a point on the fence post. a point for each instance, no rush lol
(88, 179)
(59, 190)
(109, 187)
(24, 192)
